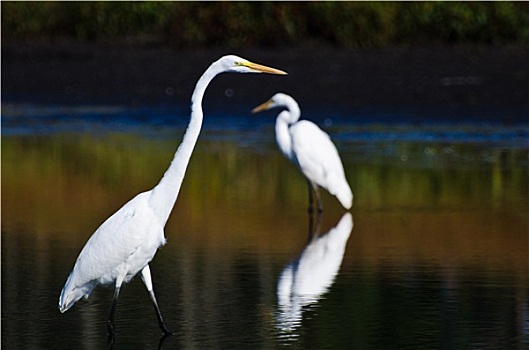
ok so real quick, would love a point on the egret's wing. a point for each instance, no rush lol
(318, 159)
(317, 156)
(126, 233)
(119, 237)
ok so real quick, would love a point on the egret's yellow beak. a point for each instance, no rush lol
(263, 69)
(262, 107)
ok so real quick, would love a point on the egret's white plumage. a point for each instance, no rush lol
(127, 241)
(310, 148)
(118, 250)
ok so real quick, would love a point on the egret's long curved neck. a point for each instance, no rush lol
(283, 138)
(283, 122)
(163, 196)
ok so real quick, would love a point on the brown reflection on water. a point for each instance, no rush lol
(489, 240)
(66, 186)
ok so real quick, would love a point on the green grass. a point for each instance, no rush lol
(239, 24)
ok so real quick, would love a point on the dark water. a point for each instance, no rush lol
(434, 253)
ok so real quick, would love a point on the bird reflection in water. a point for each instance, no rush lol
(304, 280)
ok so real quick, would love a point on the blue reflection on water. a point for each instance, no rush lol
(364, 125)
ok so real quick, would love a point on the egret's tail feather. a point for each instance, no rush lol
(68, 298)
(337, 186)
(346, 198)
(71, 294)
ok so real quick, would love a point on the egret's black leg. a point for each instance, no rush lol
(314, 187)
(317, 227)
(161, 323)
(146, 277)
(110, 341)
(110, 322)
(318, 198)
(314, 226)
(311, 199)
(162, 340)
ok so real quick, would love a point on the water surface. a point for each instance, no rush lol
(433, 255)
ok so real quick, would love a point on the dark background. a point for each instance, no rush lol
(418, 60)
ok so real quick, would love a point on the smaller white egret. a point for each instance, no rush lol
(311, 149)
(127, 241)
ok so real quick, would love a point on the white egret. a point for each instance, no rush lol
(126, 242)
(311, 149)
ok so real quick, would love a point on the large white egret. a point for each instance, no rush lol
(126, 242)
(311, 149)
